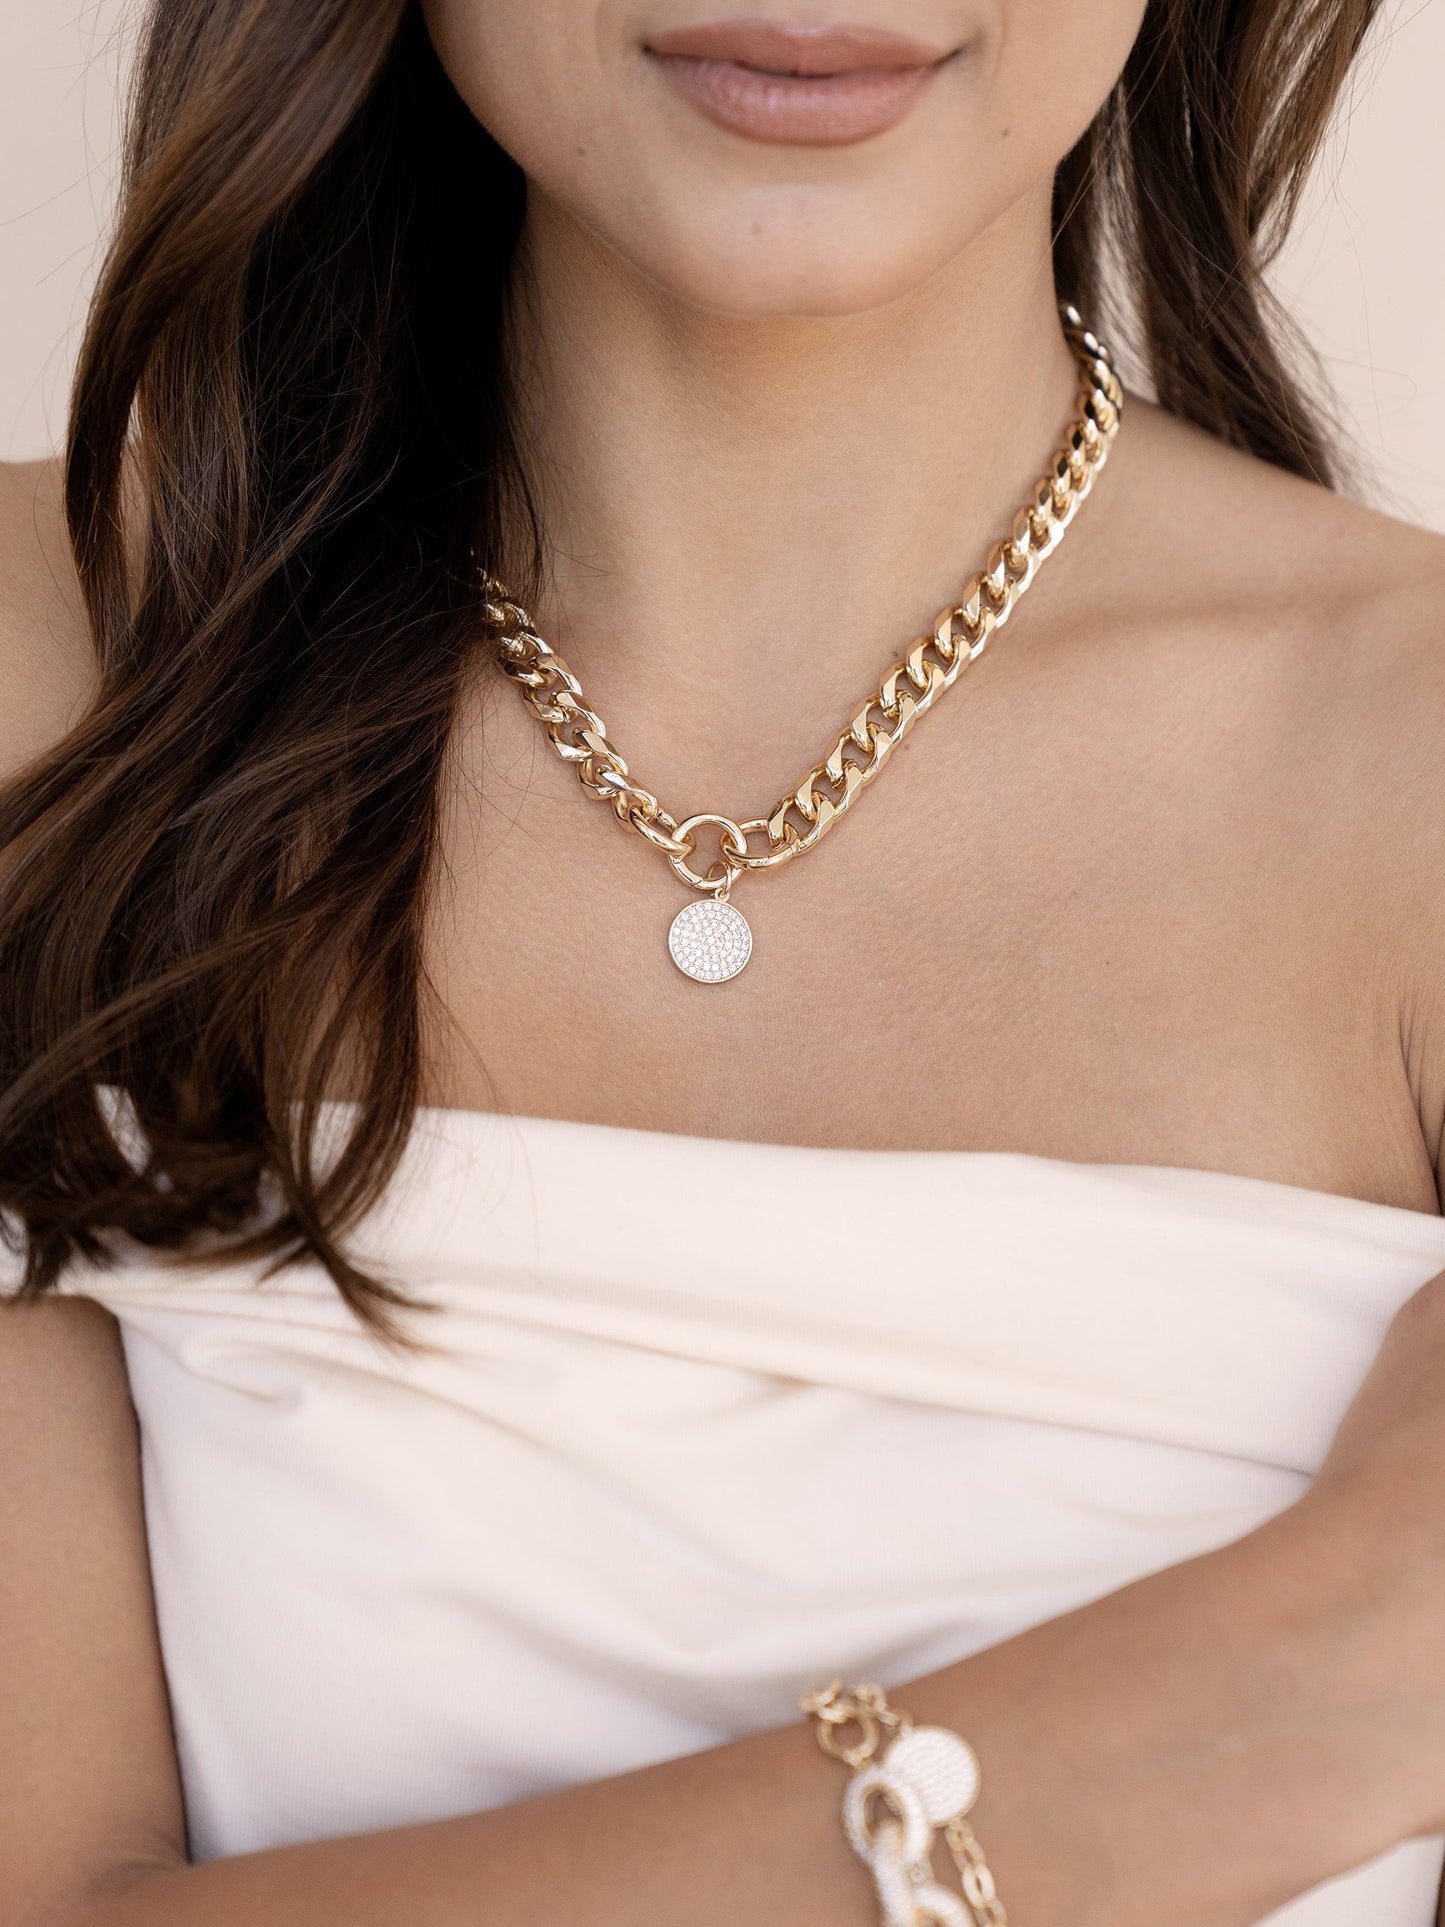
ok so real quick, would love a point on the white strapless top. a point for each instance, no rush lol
(699, 1425)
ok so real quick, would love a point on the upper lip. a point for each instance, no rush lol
(776, 49)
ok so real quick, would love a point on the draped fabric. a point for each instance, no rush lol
(695, 1424)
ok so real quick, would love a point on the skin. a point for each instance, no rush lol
(1156, 884)
(1192, 915)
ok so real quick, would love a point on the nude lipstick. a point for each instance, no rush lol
(797, 86)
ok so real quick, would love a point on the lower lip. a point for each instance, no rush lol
(797, 110)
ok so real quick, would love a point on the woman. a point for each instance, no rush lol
(1010, 1234)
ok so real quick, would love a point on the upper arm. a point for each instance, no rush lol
(88, 1778)
(87, 1763)
(46, 659)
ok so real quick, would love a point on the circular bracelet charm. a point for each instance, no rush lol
(940, 1767)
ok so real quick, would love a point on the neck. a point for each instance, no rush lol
(732, 504)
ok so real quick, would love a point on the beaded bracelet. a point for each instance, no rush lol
(928, 1778)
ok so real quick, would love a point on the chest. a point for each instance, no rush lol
(1111, 932)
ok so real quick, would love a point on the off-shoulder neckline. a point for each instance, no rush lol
(461, 1123)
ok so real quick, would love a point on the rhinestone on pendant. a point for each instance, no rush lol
(710, 941)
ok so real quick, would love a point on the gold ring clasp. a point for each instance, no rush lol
(732, 844)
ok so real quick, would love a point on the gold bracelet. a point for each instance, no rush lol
(928, 1778)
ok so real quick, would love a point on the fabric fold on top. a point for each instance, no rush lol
(694, 1424)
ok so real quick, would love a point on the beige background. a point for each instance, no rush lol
(1364, 271)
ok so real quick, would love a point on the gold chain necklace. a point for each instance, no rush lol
(710, 939)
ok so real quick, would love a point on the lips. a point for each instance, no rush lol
(798, 86)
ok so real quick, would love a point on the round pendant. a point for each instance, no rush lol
(710, 941)
(940, 1767)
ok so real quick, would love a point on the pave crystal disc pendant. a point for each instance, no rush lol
(710, 941)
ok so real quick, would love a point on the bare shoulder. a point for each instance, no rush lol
(1225, 518)
(1292, 644)
(1299, 639)
(45, 650)
(1306, 613)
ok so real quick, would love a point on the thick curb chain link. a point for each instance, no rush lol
(801, 818)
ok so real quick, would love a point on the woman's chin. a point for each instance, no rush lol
(787, 290)
(850, 262)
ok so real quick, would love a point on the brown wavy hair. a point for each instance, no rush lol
(293, 385)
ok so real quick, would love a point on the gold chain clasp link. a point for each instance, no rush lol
(732, 846)
(866, 1707)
